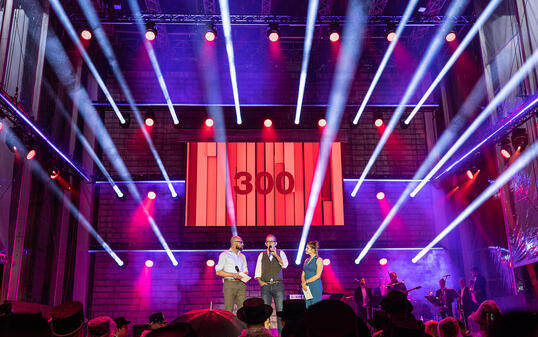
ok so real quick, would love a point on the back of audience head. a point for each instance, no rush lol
(24, 325)
(68, 320)
(431, 328)
(486, 315)
(331, 318)
(102, 326)
(520, 324)
(449, 327)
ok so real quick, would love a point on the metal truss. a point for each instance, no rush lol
(284, 20)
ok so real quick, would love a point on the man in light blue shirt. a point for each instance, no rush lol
(231, 263)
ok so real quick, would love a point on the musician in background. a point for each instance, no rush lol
(395, 285)
(445, 296)
(479, 288)
(465, 302)
(363, 298)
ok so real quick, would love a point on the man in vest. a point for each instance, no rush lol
(269, 274)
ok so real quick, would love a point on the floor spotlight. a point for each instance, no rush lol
(378, 119)
(322, 123)
(31, 154)
(390, 32)
(209, 122)
(210, 263)
(273, 32)
(151, 32)
(211, 33)
(383, 261)
(450, 37)
(86, 35)
(152, 195)
(127, 122)
(326, 262)
(149, 120)
(149, 263)
(54, 173)
(268, 123)
(520, 139)
(380, 195)
(1, 126)
(403, 125)
(506, 148)
(179, 124)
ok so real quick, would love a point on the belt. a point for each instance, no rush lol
(273, 282)
(232, 279)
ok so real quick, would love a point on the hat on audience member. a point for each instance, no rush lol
(102, 326)
(121, 321)
(254, 311)
(157, 317)
(292, 309)
(67, 318)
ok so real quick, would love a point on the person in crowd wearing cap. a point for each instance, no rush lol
(156, 321)
(487, 313)
(231, 263)
(254, 313)
(401, 321)
(68, 320)
(479, 286)
(102, 326)
(122, 326)
(269, 274)
(311, 276)
(449, 327)
(292, 317)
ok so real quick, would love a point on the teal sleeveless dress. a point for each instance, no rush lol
(315, 287)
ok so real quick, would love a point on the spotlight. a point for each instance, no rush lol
(151, 32)
(520, 139)
(326, 262)
(403, 125)
(148, 263)
(390, 32)
(127, 117)
(10, 142)
(54, 173)
(149, 120)
(380, 195)
(469, 174)
(1, 126)
(211, 33)
(334, 36)
(322, 123)
(31, 154)
(152, 195)
(383, 261)
(209, 122)
(273, 33)
(179, 124)
(86, 35)
(378, 119)
(210, 263)
(506, 148)
(450, 37)
(267, 123)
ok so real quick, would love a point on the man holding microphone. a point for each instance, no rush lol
(269, 274)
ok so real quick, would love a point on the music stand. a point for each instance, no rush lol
(433, 300)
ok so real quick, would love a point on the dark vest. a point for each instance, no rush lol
(271, 269)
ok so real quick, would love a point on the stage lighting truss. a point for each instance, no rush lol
(261, 20)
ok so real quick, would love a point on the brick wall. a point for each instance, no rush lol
(136, 293)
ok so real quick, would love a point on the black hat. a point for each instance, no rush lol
(254, 311)
(157, 317)
(396, 302)
(67, 318)
(121, 321)
(292, 309)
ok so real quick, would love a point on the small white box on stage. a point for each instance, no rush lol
(296, 297)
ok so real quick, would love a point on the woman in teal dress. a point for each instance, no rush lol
(312, 269)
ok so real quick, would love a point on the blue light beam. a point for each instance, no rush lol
(525, 158)
(468, 38)
(455, 8)
(135, 8)
(407, 14)
(497, 100)
(345, 68)
(104, 43)
(227, 26)
(309, 35)
(58, 9)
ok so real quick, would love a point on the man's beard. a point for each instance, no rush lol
(239, 248)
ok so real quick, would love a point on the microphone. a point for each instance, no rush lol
(447, 275)
(237, 269)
